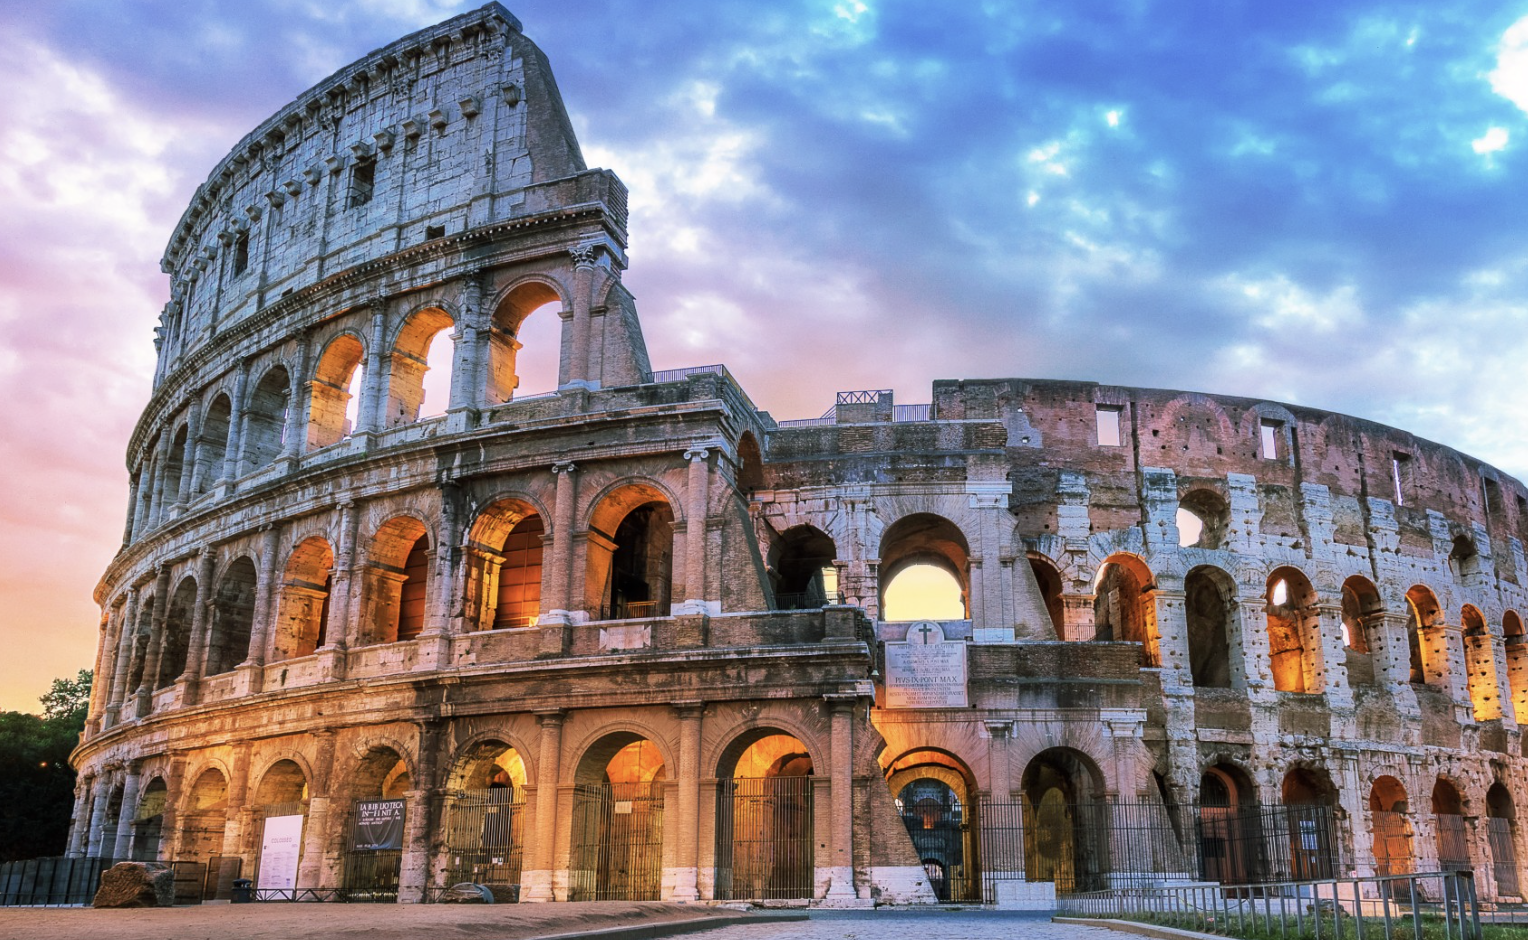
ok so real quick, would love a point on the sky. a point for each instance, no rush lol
(1317, 203)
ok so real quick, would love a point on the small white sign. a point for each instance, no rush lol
(280, 848)
(927, 671)
(626, 638)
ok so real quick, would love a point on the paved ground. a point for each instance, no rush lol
(511, 922)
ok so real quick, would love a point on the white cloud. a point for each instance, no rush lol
(1510, 77)
(1493, 140)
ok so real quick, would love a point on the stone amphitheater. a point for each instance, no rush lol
(634, 638)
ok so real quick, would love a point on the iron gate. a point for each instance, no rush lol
(1453, 845)
(943, 837)
(1503, 856)
(764, 838)
(484, 832)
(617, 842)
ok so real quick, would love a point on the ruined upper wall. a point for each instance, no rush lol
(437, 133)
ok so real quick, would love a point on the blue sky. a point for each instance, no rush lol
(1314, 203)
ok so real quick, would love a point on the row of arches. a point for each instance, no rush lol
(288, 409)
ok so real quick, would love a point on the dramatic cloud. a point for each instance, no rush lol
(1317, 203)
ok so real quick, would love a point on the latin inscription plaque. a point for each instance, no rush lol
(927, 671)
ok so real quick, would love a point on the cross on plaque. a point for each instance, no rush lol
(924, 630)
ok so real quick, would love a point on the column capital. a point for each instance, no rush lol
(689, 710)
(584, 256)
(1000, 730)
(564, 466)
(550, 717)
(697, 452)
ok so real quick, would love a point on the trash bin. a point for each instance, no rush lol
(243, 891)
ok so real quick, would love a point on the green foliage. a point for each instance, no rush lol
(36, 781)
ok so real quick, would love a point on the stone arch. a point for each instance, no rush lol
(1310, 801)
(148, 819)
(925, 538)
(1229, 836)
(1389, 809)
(630, 551)
(1515, 645)
(204, 815)
(1428, 652)
(626, 729)
(285, 780)
(504, 564)
(483, 821)
(212, 453)
(1195, 426)
(380, 768)
(526, 296)
(233, 617)
(1294, 631)
(175, 464)
(715, 755)
(414, 350)
(397, 580)
(469, 763)
(267, 418)
(1203, 518)
(175, 644)
(750, 463)
(800, 566)
(1502, 835)
(1123, 607)
(1362, 609)
(340, 366)
(1063, 795)
(1049, 579)
(1449, 810)
(1480, 664)
(764, 817)
(1210, 609)
(303, 610)
(936, 795)
(618, 856)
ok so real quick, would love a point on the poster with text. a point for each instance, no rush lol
(280, 847)
(378, 825)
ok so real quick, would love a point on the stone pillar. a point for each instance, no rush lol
(132, 508)
(556, 602)
(122, 841)
(126, 637)
(96, 839)
(150, 679)
(201, 614)
(1392, 660)
(190, 466)
(1504, 694)
(298, 407)
(697, 493)
(156, 497)
(1169, 610)
(267, 606)
(238, 797)
(686, 874)
(536, 882)
(312, 872)
(583, 283)
(414, 872)
(1252, 611)
(79, 821)
(370, 415)
(233, 457)
(841, 837)
(1334, 656)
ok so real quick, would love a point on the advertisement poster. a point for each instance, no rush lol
(280, 846)
(378, 825)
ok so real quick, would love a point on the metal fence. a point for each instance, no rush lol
(1387, 906)
(60, 882)
(484, 839)
(1503, 856)
(764, 839)
(617, 850)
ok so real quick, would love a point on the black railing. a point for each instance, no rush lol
(617, 845)
(484, 840)
(51, 882)
(807, 600)
(764, 839)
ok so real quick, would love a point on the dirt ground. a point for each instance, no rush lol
(279, 921)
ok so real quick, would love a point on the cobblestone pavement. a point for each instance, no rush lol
(914, 925)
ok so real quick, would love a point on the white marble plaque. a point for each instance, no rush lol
(629, 637)
(927, 671)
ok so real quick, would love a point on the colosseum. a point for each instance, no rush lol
(635, 638)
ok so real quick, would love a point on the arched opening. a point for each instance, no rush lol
(935, 796)
(1294, 632)
(1066, 836)
(176, 642)
(174, 466)
(304, 611)
(265, 420)
(280, 813)
(140, 640)
(764, 818)
(397, 576)
(504, 567)
(340, 371)
(111, 821)
(801, 569)
(925, 570)
(750, 464)
(484, 820)
(1464, 558)
(529, 317)
(1209, 598)
(631, 554)
(1516, 648)
(1230, 834)
(1048, 579)
(213, 452)
(204, 820)
(1388, 809)
(1428, 653)
(1203, 517)
(1308, 797)
(1361, 608)
(233, 618)
(148, 821)
(1480, 665)
(1449, 825)
(1124, 610)
(420, 385)
(617, 840)
(1501, 830)
(374, 846)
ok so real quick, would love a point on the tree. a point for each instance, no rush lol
(36, 781)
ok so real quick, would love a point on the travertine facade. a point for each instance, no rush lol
(610, 611)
